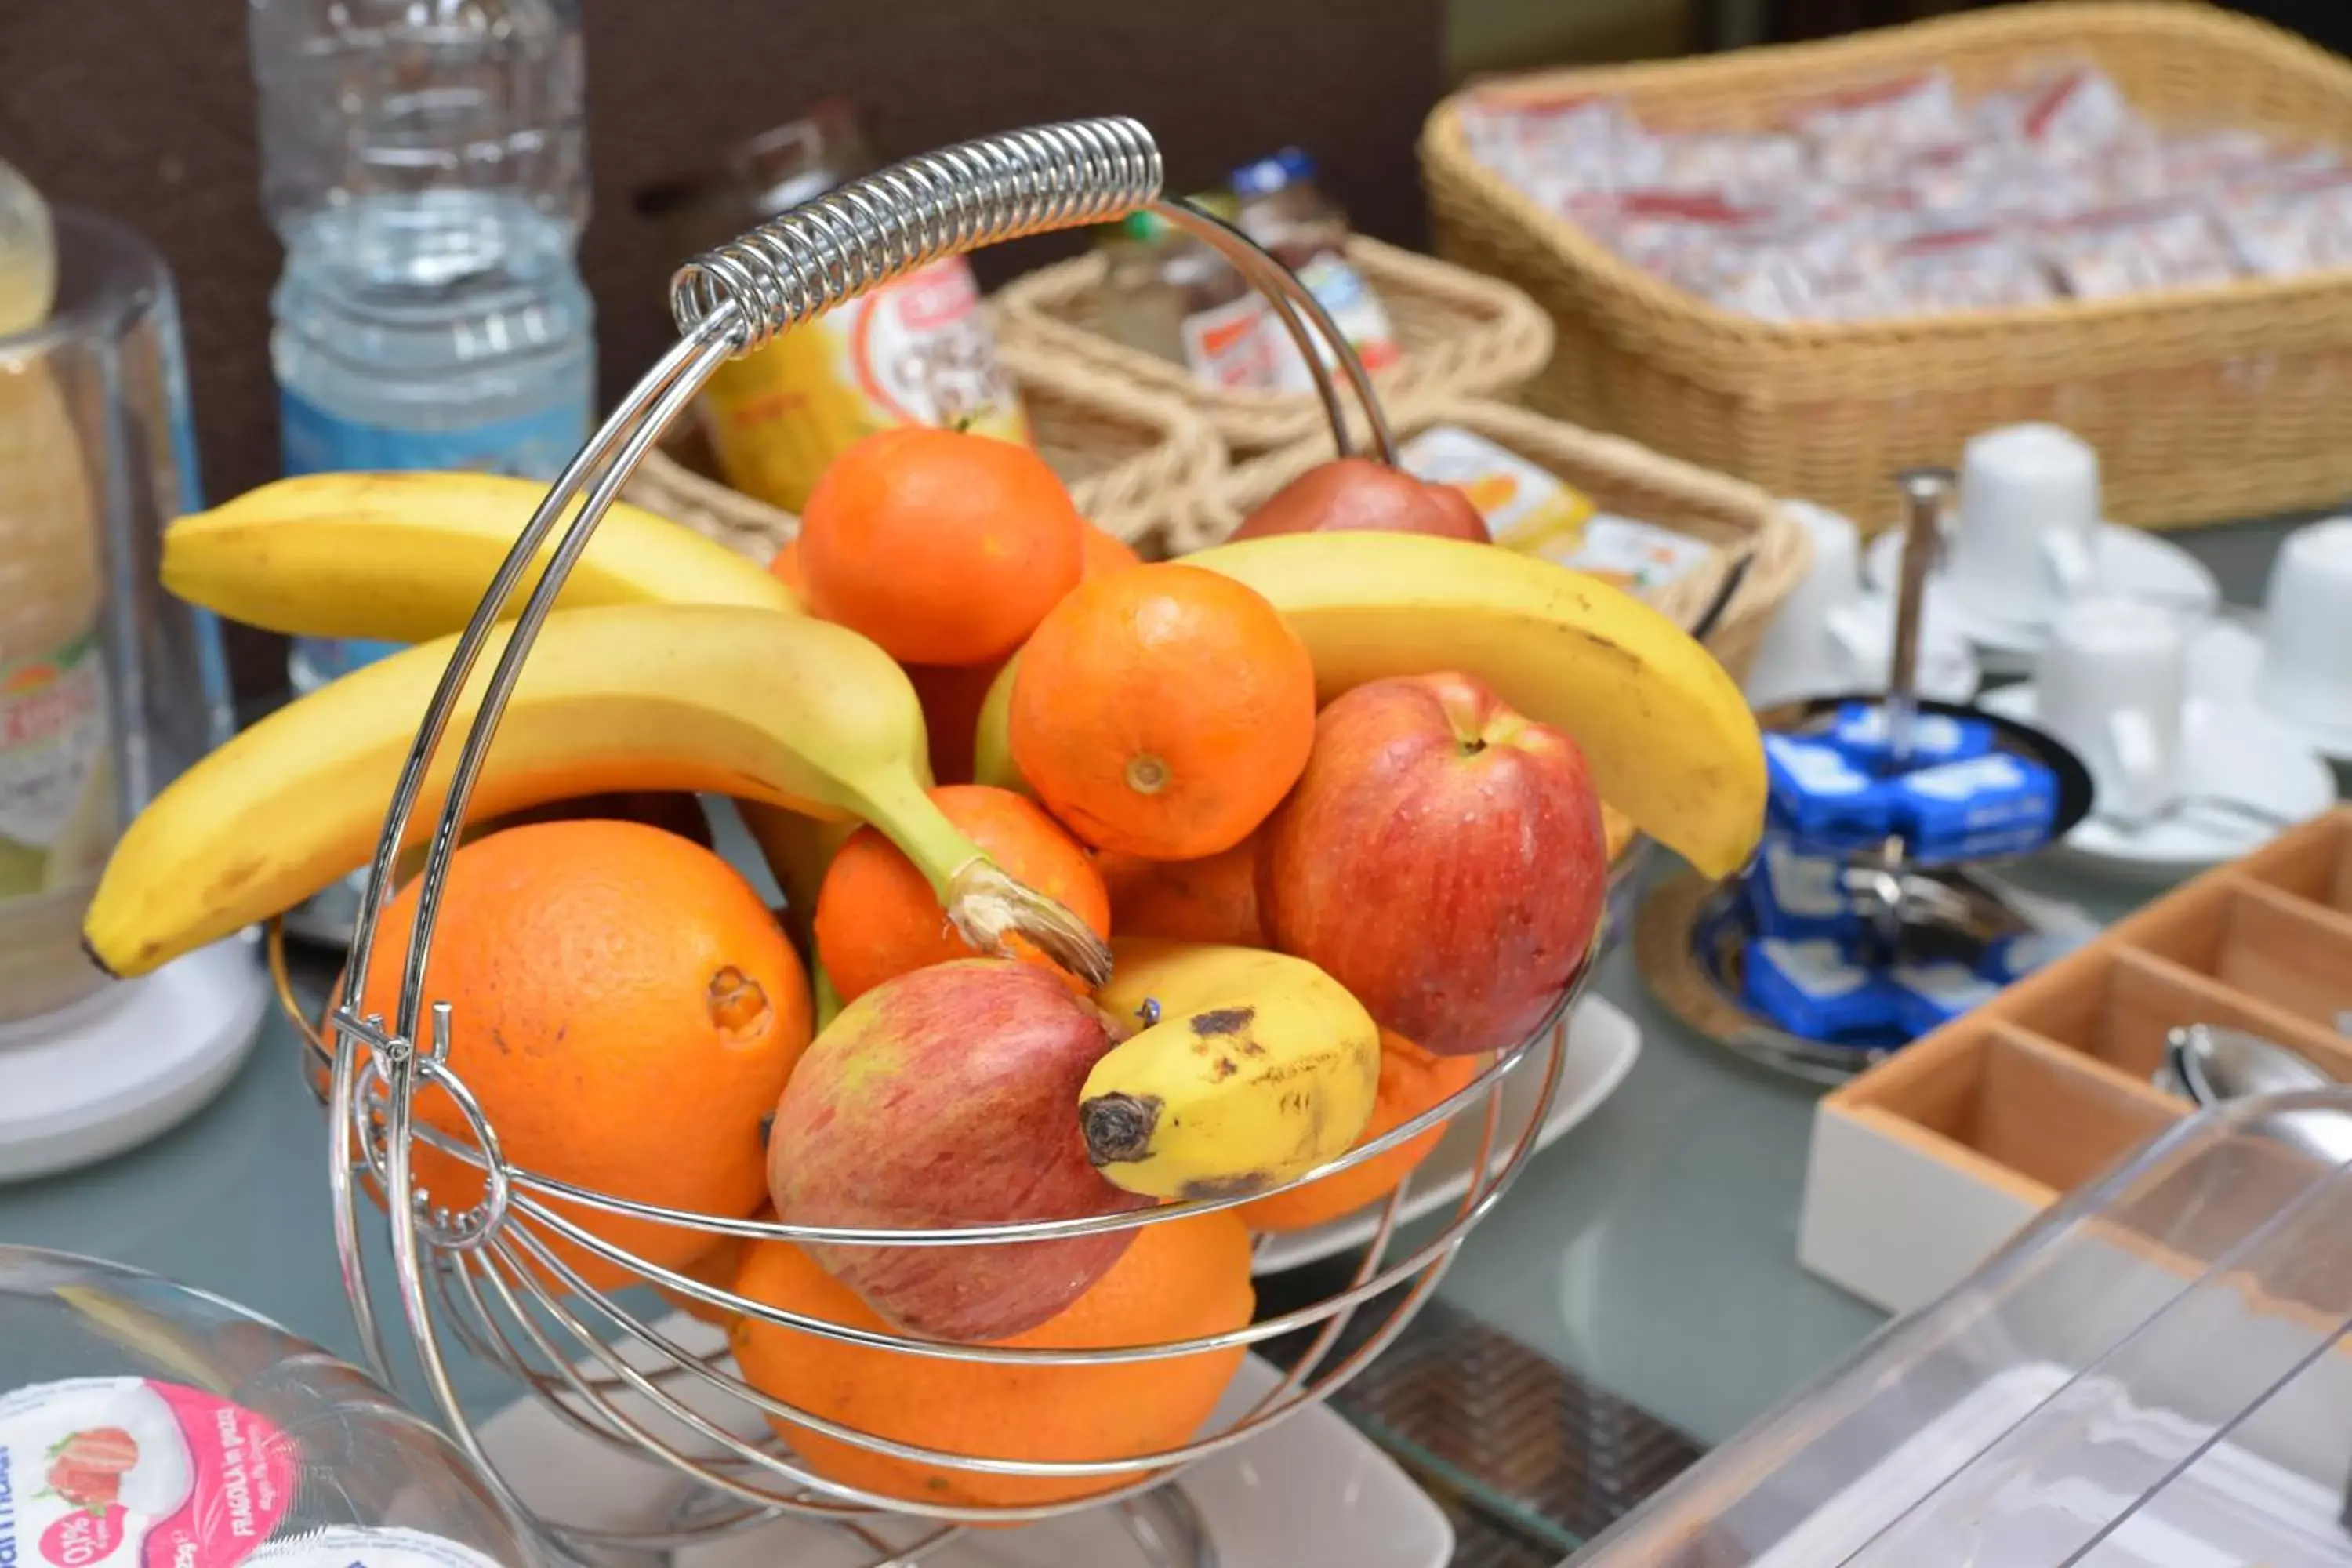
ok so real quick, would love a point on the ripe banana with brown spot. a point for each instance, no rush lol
(1250, 1068)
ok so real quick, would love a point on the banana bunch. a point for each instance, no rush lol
(1664, 728)
(726, 698)
(1250, 1068)
(404, 557)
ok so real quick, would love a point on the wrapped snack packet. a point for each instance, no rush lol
(1750, 166)
(1660, 230)
(1861, 135)
(1965, 269)
(2072, 111)
(2162, 244)
(2282, 226)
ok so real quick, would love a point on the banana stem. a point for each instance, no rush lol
(984, 904)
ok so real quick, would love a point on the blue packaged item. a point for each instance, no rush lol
(1929, 996)
(1995, 804)
(2012, 958)
(1823, 799)
(1861, 731)
(1812, 989)
(1796, 895)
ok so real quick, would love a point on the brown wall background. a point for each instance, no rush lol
(144, 109)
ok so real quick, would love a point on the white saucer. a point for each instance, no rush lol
(2228, 751)
(1310, 1492)
(2129, 562)
(2224, 664)
(1602, 1043)
(117, 1068)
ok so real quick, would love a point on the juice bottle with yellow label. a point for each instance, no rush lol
(916, 351)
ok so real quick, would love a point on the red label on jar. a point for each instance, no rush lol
(113, 1472)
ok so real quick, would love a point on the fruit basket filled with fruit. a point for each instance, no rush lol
(1275, 860)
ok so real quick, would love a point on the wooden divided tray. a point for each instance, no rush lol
(1926, 1163)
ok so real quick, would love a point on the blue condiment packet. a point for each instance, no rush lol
(1815, 989)
(1862, 733)
(1929, 996)
(1995, 804)
(1822, 798)
(1798, 895)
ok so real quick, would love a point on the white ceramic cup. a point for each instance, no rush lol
(2029, 522)
(1798, 657)
(2112, 684)
(2307, 669)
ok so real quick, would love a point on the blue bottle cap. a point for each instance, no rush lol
(1291, 166)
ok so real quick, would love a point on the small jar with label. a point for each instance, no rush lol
(916, 352)
(1281, 209)
(143, 1423)
(1170, 294)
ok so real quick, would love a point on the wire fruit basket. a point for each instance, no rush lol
(491, 1280)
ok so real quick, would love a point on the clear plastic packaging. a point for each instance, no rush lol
(2153, 1375)
(144, 1423)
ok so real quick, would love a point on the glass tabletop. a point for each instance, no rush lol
(1651, 1253)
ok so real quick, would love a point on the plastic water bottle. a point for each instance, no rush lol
(423, 162)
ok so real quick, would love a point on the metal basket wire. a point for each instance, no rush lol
(489, 1278)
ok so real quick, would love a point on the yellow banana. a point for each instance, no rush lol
(718, 699)
(1252, 1067)
(1668, 737)
(405, 557)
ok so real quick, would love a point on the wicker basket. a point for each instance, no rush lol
(1620, 477)
(2203, 404)
(1462, 334)
(1135, 462)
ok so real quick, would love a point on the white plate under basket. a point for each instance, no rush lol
(1308, 1491)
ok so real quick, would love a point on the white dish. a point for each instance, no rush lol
(2129, 562)
(2224, 664)
(127, 1064)
(1307, 1492)
(1603, 1044)
(2230, 751)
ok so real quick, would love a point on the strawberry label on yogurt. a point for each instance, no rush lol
(124, 1472)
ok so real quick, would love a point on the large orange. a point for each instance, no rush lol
(944, 547)
(626, 1012)
(1412, 1080)
(1180, 1280)
(876, 918)
(1214, 898)
(1163, 711)
(1106, 553)
(786, 567)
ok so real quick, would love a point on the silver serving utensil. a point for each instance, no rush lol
(2212, 1063)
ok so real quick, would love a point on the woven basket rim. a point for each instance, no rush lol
(2063, 23)
(1500, 321)
(1777, 547)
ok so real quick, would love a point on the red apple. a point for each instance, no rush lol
(1351, 493)
(943, 1099)
(1442, 857)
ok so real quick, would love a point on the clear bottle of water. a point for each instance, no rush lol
(423, 162)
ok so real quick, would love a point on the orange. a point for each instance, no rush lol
(944, 547)
(876, 918)
(1163, 711)
(1106, 552)
(1180, 1280)
(1214, 898)
(952, 697)
(626, 1012)
(717, 1264)
(786, 567)
(1412, 1080)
